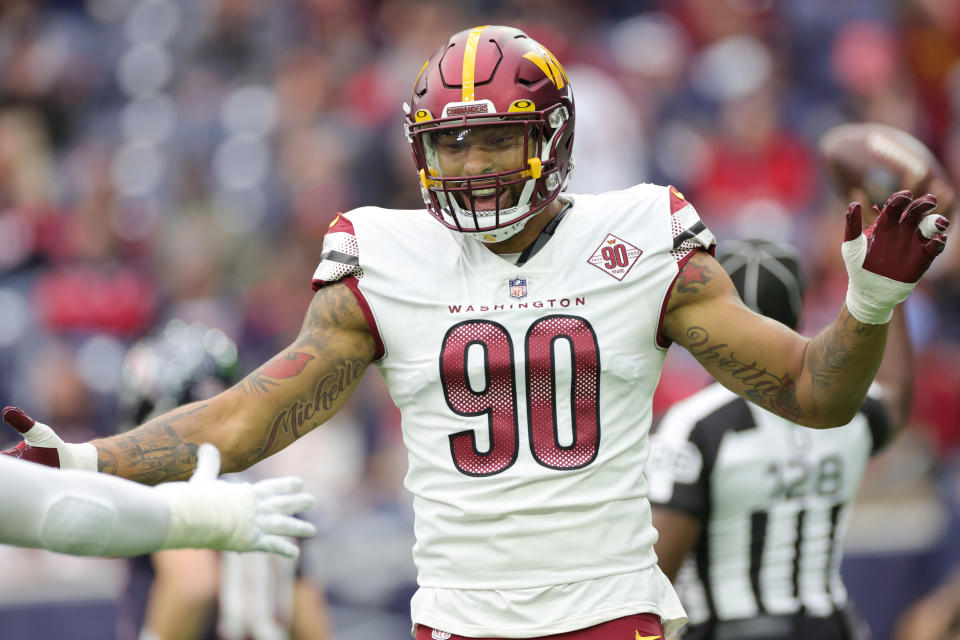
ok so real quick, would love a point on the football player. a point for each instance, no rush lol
(521, 332)
(750, 507)
(86, 514)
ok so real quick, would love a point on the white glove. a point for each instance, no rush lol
(231, 516)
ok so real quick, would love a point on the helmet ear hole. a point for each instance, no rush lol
(557, 117)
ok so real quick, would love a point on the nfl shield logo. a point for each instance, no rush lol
(440, 635)
(518, 288)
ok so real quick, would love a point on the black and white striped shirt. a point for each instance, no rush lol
(773, 498)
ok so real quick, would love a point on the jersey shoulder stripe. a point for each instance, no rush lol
(689, 232)
(340, 262)
(340, 256)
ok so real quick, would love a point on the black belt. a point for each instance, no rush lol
(843, 624)
(761, 627)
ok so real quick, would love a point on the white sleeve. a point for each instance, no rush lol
(79, 512)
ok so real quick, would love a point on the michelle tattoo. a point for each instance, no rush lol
(299, 417)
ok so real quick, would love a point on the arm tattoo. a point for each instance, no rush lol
(332, 306)
(304, 413)
(762, 387)
(833, 353)
(283, 366)
(691, 276)
(154, 452)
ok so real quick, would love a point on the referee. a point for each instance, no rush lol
(751, 509)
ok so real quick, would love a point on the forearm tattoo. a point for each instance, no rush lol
(284, 366)
(763, 387)
(152, 453)
(836, 349)
(304, 413)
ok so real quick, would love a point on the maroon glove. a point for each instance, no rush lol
(898, 247)
(43, 446)
(885, 262)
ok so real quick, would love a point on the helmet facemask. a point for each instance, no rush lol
(495, 202)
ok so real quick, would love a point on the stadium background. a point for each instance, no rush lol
(172, 158)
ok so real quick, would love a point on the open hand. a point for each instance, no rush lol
(904, 239)
(235, 516)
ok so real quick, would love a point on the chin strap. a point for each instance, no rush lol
(499, 235)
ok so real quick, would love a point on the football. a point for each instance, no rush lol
(872, 161)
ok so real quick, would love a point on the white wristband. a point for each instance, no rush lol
(72, 456)
(214, 515)
(871, 298)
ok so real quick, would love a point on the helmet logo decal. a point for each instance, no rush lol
(470, 62)
(549, 65)
(522, 105)
(467, 109)
(422, 115)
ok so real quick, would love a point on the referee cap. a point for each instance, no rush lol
(768, 276)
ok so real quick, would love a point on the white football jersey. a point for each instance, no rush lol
(773, 498)
(525, 394)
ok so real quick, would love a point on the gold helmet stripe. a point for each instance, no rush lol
(470, 62)
(549, 65)
(420, 73)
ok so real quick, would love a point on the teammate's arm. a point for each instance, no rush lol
(84, 513)
(299, 389)
(311, 620)
(183, 594)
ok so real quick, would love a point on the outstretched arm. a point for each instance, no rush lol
(299, 389)
(819, 382)
(85, 513)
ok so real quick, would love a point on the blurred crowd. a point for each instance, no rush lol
(166, 159)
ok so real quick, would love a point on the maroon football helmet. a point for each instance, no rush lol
(492, 76)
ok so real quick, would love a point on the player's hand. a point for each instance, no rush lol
(905, 237)
(886, 261)
(42, 445)
(235, 516)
